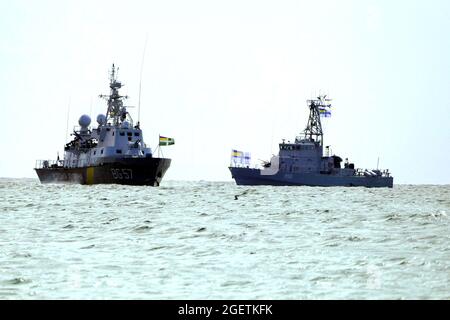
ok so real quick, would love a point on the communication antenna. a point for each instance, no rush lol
(140, 81)
(271, 138)
(67, 124)
(90, 109)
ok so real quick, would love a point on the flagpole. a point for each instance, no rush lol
(159, 149)
(231, 158)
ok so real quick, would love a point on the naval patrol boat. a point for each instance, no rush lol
(303, 162)
(113, 152)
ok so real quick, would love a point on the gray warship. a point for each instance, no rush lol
(303, 162)
(113, 152)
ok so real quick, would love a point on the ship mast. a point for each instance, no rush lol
(317, 108)
(116, 111)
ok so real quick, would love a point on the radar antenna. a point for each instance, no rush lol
(317, 108)
(116, 111)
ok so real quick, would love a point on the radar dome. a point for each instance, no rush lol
(101, 119)
(125, 124)
(84, 121)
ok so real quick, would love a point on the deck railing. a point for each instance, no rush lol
(40, 164)
(372, 173)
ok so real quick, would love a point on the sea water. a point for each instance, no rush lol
(197, 240)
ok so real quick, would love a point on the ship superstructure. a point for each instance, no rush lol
(303, 161)
(113, 152)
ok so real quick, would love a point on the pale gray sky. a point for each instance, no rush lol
(233, 74)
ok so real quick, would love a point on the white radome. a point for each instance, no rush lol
(84, 121)
(101, 119)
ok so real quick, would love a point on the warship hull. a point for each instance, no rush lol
(249, 176)
(128, 171)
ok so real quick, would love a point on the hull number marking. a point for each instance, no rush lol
(122, 174)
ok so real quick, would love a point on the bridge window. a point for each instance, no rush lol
(122, 133)
(129, 134)
(119, 151)
(136, 134)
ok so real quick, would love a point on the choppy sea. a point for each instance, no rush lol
(194, 240)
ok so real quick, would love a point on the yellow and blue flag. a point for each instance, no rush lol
(236, 154)
(240, 157)
(324, 112)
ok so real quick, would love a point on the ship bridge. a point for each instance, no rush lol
(301, 156)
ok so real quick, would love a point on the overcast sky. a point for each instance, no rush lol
(233, 74)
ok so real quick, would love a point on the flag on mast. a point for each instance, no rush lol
(324, 112)
(240, 157)
(165, 141)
